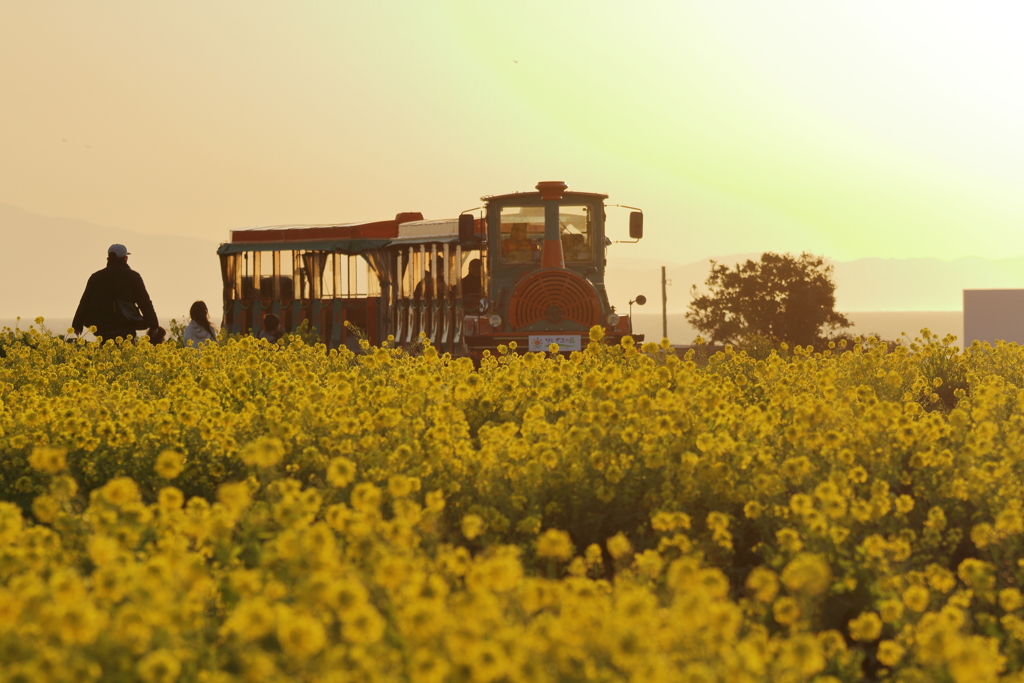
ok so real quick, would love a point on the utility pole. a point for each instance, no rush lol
(664, 306)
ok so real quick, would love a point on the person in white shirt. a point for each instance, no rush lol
(200, 329)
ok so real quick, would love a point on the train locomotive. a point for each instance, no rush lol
(530, 270)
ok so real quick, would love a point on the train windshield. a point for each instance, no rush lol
(574, 225)
(522, 231)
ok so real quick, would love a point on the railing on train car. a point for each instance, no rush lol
(320, 287)
(428, 295)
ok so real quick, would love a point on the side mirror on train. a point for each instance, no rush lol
(467, 227)
(636, 225)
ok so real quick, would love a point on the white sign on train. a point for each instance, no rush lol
(566, 342)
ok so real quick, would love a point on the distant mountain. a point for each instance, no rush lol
(869, 284)
(45, 263)
(889, 325)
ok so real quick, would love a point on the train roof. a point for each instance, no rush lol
(342, 237)
(350, 238)
(443, 230)
(535, 196)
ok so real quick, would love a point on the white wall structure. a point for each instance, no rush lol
(993, 314)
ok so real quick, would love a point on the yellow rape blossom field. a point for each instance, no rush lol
(252, 512)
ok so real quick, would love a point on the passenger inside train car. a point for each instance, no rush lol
(518, 247)
(575, 247)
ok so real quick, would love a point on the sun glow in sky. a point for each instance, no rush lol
(849, 130)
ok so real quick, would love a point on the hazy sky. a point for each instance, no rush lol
(889, 129)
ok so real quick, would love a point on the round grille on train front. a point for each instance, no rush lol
(554, 295)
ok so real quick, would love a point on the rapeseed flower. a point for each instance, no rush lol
(170, 498)
(763, 583)
(340, 472)
(250, 620)
(362, 625)
(121, 492)
(46, 508)
(169, 464)
(890, 653)
(366, 497)
(79, 622)
(472, 525)
(159, 666)
(48, 459)
(802, 653)
(808, 574)
(866, 627)
(234, 496)
(619, 546)
(555, 544)
(426, 666)
(300, 635)
(1010, 599)
(487, 661)
(265, 451)
(786, 610)
(435, 501)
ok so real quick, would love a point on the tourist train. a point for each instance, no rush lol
(527, 267)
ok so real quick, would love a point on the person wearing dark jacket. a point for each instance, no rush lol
(115, 300)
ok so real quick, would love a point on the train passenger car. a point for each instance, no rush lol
(529, 270)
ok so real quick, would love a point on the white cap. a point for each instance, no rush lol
(118, 250)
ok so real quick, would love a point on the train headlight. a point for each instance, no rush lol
(613, 319)
(494, 321)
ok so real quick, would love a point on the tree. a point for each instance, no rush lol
(783, 298)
